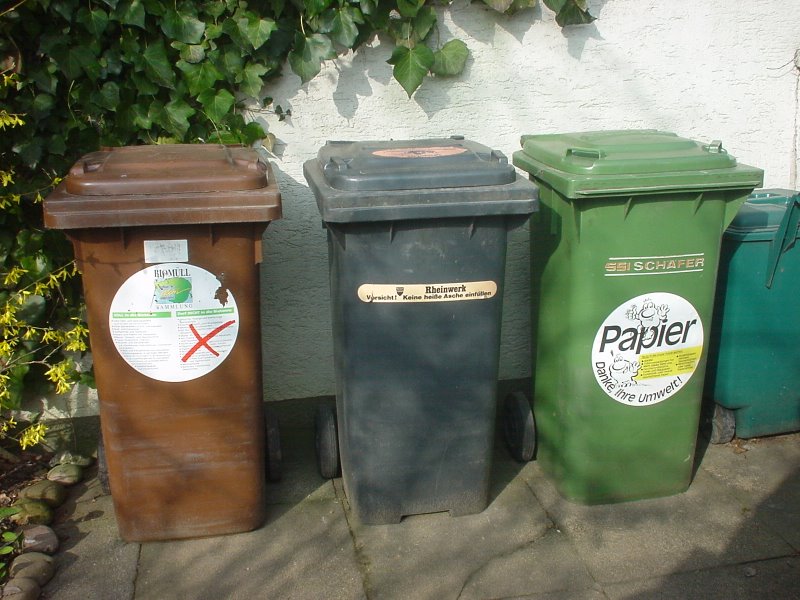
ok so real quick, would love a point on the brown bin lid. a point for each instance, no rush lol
(165, 185)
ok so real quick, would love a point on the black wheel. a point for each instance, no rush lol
(519, 427)
(102, 467)
(273, 443)
(723, 425)
(326, 442)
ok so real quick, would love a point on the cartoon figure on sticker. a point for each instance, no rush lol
(624, 371)
(649, 317)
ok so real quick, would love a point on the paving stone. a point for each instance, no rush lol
(39, 538)
(777, 579)
(438, 556)
(52, 493)
(303, 551)
(21, 588)
(32, 512)
(764, 473)
(33, 565)
(66, 457)
(66, 474)
(703, 527)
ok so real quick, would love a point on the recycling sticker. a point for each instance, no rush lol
(173, 322)
(647, 348)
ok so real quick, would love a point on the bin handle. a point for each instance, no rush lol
(584, 153)
(784, 238)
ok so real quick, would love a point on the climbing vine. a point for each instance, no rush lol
(81, 74)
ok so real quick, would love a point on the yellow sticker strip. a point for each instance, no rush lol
(668, 364)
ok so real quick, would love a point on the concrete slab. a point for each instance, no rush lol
(304, 551)
(764, 474)
(92, 561)
(437, 556)
(777, 579)
(703, 527)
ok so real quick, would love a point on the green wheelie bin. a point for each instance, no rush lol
(754, 359)
(625, 251)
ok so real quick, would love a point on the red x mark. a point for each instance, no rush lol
(203, 341)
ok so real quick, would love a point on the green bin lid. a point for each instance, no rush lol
(645, 161)
(760, 218)
(412, 179)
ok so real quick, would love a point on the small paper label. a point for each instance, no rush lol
(427, 292)
(421, 152)
(159, 251)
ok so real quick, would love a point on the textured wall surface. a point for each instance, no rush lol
(705, 70)
(700, 69)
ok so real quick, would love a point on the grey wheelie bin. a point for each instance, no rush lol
(417, 247)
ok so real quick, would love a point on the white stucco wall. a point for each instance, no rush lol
(705, 70)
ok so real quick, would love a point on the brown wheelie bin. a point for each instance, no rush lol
(168, 239)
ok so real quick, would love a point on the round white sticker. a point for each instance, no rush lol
(647, 348)
(173, 322)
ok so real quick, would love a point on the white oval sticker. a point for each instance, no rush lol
(173, 322)
(647, 348)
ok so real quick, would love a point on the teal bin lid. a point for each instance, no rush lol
(416, 179)
(771, 216)
(644, 161)
(761, 217)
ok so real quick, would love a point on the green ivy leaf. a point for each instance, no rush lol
(80, 59)
(252, 79)
(424, 22)
(315, 7)
(200, 77)
(216, 104)
(344, 25)
(191, 53)
(130, 12)
(182, 27)
(518, 5)
(570, 12)
(42, 104)
(143, 84)
(500, 5)
(252, 132)
(157, 65)
(178, 112)
(308, 53)
(214, 9)
(450, 58)
(108, 96)
(230, 63)
(141, 116)
(213, 31)
(32, 309)
(409, 8)
(411, 65)
(255, 30)
(95, 21)
(368, 7)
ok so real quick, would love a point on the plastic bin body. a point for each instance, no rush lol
(754, 358)
(416, 292)
(177, 364)
(625, 252)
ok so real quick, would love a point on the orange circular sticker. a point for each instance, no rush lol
(422, 152)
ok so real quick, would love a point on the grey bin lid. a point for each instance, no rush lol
(413, 179)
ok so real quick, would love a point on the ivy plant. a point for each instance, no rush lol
(81, 74)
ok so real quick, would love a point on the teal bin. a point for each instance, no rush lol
(753, 372)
